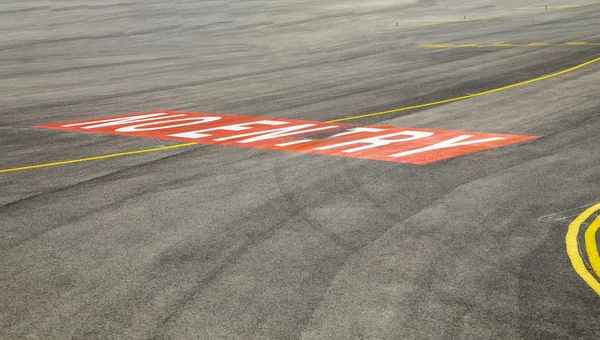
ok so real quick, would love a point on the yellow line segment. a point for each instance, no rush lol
(437, 20)
(470, 95)
(573, 249)
(97, 157)
(329, 121)
(535, 44)
(591, 246)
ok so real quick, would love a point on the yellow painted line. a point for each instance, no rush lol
(591, 246)
(535, 44)
(573, 249)
(95, 158)
(450, 100)
(437, 20)
(329, 121)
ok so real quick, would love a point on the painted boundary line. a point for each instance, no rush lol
(29, 167)
(471, 95)
(591, 248)
(535, 44)
(94, 158)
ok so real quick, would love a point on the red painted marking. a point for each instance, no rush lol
(386, 143)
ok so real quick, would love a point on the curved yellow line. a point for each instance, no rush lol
(573, 249)
(329, 121)
(97, 157)
(470, 95)
(591, 246)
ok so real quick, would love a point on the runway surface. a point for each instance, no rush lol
(102, 241)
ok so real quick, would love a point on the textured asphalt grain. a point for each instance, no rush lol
(209, 242)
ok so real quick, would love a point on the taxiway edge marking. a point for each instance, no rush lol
(534, 44)
(591, 245)
(573, 249)
(450, 100)
(94, 158)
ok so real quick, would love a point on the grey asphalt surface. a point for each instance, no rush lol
(209, 242)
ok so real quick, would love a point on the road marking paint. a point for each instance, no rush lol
(330, 121)
(437, 20)
(573, 249)
(385, 143)
(128, 153)
(535, 44)
(591, 245)
(450, 100)
(295, 142)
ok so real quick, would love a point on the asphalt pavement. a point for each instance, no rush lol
(220, 242)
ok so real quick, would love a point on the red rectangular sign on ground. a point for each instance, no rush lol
(385, 143)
